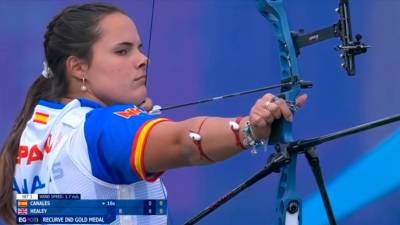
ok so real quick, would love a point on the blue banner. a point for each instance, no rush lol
(70, 209)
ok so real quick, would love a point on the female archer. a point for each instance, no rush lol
(85, 127)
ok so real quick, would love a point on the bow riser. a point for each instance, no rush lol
(288, 201)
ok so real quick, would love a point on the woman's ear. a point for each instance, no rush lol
(76, 67)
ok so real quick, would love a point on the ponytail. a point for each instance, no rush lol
(9, 150)
(71, 33)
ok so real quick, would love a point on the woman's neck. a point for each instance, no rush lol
(86, 95)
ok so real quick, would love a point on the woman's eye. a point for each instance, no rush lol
(122, 52)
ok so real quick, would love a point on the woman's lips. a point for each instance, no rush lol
(141, 78)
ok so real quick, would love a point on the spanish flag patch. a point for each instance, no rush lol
(41, 118)
(22, 203)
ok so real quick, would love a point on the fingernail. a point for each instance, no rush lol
(290, 119)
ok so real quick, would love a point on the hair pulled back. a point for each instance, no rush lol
(70, 33)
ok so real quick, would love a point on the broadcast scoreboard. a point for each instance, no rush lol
(71, 209)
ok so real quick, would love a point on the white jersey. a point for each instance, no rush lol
(88, 149)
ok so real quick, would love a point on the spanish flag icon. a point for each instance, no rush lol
(39, 117)
(22, 203)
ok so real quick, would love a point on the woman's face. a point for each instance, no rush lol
(117, 73)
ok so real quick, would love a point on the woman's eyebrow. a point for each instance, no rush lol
(129, 44)
(125, 44)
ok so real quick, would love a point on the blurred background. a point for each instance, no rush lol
(204, 48)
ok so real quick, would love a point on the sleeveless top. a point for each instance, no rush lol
(83, 147)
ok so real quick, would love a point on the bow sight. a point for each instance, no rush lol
(342, 29)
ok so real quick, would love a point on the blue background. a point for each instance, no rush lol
(203, 48)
